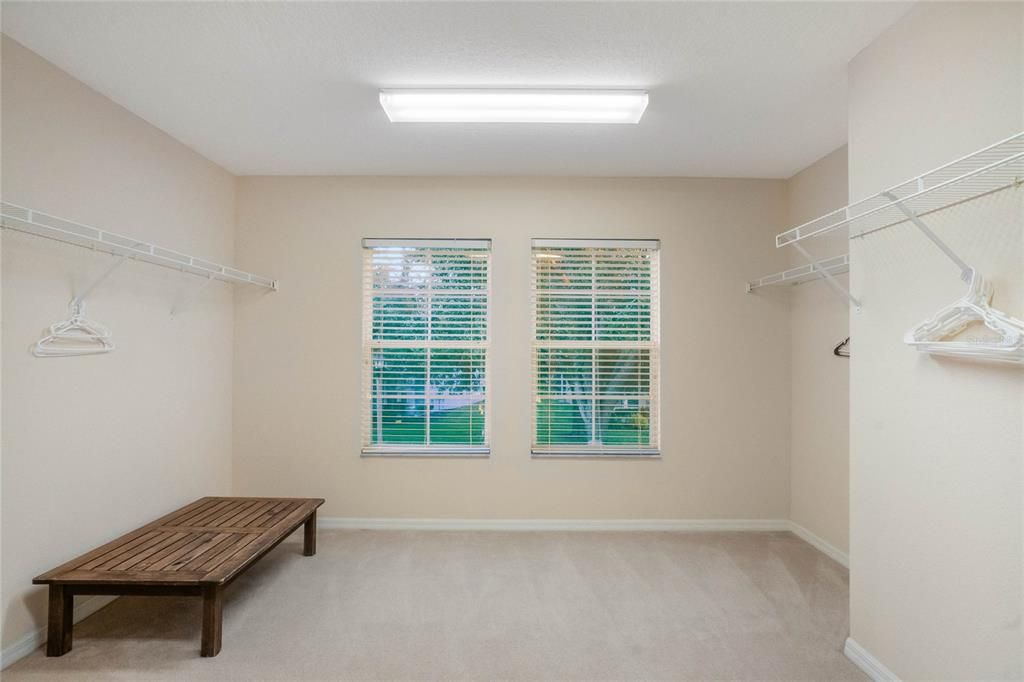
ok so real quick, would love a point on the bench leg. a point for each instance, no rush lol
(309, 535)
(59, 623)
(213, 618)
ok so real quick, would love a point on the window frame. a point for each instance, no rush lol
(370, 346)
(652, 346)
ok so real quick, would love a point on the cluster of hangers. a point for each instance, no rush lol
(1000, 337)
(75, 336)
(78, 335)
(941, 333)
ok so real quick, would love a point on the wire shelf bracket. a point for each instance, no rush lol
(842, 291)
(41, 224)
(965, 269)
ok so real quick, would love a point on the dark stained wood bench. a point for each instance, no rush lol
(195, 551)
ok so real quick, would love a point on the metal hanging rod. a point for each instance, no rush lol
(836, 265)
(987, 170)
(41, 224)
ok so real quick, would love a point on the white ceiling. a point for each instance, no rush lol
(736, 89)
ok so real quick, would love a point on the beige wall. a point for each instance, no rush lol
(93, 446)
(936, 446)
(819, 319)
(725, 361)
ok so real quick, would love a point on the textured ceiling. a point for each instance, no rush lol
(736, 89)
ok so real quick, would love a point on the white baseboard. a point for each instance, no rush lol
(355, 523)
(871, 666)
(85, 607)
(821, 545)
(554, 524)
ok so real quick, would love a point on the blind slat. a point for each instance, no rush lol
(596, 353)
(426, 319)
(597, 244)
(418, 243)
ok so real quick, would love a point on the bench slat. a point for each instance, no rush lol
(262, 544)
(196, 562)
(138, 560)
(136, 544)
(115, 544)
(265, 518)
(207, 542)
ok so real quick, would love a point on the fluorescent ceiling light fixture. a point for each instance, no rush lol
(514, 106)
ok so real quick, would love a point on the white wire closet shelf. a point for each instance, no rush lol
(987, 170)
(836, 265)
(41, 224)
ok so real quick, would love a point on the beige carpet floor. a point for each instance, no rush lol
(417, 605)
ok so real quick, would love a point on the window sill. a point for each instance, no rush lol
(585, 454)
(454, 453)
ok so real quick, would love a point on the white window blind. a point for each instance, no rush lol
(426, 309)
(595, 347)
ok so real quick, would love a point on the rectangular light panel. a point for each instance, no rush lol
(514, 106)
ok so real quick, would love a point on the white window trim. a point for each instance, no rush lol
(409, 450)
(654, 346)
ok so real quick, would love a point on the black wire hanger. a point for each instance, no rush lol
(842, 349)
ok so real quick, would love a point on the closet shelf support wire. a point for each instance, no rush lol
(30, 221)
(965, 269)
(79, 299)
(179, 307)
(843, 292)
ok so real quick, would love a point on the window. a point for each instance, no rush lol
(425, 344)
(595, 347)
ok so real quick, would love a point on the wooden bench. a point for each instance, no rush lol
(195, 551)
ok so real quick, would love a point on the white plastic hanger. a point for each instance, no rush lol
(931, 335)
(934, 334)
(74, 336)
(78, 335)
